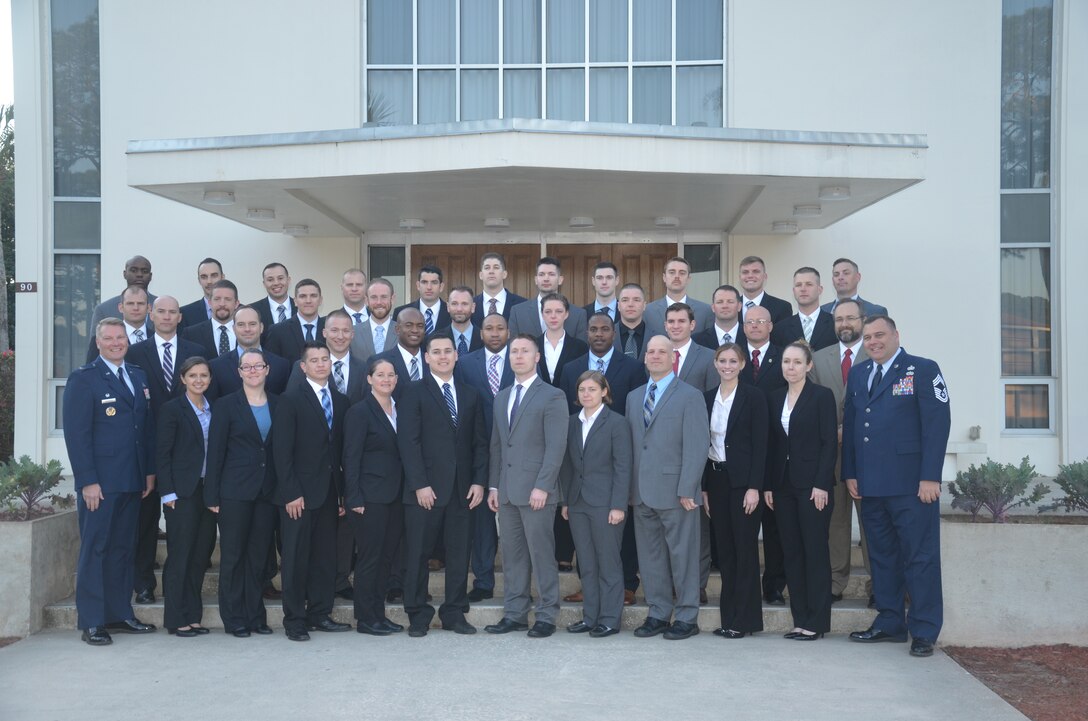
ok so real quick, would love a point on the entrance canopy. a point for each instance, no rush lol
(535, 175)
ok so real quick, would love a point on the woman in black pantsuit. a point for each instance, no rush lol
(181, 458)
(804, 442)
(238, 488)
(732, 486)
(373, 481)
(596, 482)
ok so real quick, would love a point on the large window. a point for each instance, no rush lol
(1026, 235)
(617, 61)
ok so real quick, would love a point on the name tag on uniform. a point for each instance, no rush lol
(147, 393)
(904, 386)
(108, 400)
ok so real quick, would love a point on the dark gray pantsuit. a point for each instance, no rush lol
(668, 540)
(527, 538)
(599, 564)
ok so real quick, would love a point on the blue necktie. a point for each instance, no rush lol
(648, 406)
(448, 394)
(462, 348)
(428, 320)
(326, 405)
(413, 372)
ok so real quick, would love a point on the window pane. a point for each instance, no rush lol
(389, 97)
(479, 94)
(1026, 37)
(436, 37)
(1027, 407)
(1025, 218)
(77, 137)
(652, 96)
(75, 294)
(706, 264)
(521, 32)
(388, 262)
(77, 225)
(566, 31)
(608, 95)
(566, 94)
(437, 96)
(699, 31)
(521, 94)
(389, 32)
(699, 96)
(652, 29)
(480, 31)
(1025, 312)
(607, 30)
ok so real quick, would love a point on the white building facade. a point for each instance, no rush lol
(939, 145)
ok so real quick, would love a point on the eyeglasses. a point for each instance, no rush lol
(755, 321)
(252, 368)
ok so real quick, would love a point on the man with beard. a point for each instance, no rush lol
(375, 335)
(248, 331)
(465, 333)
(216, 336)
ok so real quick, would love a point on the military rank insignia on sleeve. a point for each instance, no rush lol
(940, 390)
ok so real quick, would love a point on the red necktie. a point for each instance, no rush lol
(846, 363)
(676, 362)
(755, 364)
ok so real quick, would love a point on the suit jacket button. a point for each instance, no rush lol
(866, 439)
(866, 424)
(868, 410)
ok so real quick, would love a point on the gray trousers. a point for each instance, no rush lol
(528, 553)
(598, 546)
(668, 558)
(839, 541)
(704, 547)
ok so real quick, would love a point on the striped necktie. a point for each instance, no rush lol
(493, 374)
(447, 393)
(648, 406)
(338, 376)
(428, 321)
(167, 367)
(281, 313)
(326, 405)
(413, 372)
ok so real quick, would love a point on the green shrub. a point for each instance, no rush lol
(29, 483)
(997, 487)
(7, 404)
(1073, 480)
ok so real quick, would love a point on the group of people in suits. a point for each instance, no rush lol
(639, 438)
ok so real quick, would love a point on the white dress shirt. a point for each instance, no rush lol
(551, 354)
(683, 355)
(500, 301)
(344, 368)
(408, 361)
(130, 330)
(786, 410)
(159, 340)
(853, 352)
(812, 318)
(719, 423)
(732, 332)
(229, 325)
(587, 423)
(274, 306)
(514, 393)
(758, 300)
(364, 314)
(317, 389)
(453, 389)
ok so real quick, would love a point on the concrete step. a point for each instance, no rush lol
(846, 616)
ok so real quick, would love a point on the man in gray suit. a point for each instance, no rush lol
(137, 272)
(375, 335)
(846, 277)
(528, 440)
(830, 366)
(692, 363)
(676, 276)
(670, 434)
(527, 317)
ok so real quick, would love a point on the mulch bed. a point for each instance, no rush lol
(8, 640)
(1045, 683)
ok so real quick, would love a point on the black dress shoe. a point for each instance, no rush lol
(297, 635)
(541, 629)
(144, 597)
(579, 627)
(836, 597)
(651, 627)
(775, 598)
(680, 630)
(601, 631)
(921, 647)
(872, 635)
(348, 594)
(417, 631)
(872, 601)
(373, 629)
(390, 626)
(130, 626)
(272, 593)
(395, 595)
(240, 633)
(96, 636)
(703, 600)
(506, 625)
(327, 625)
(201, 630)
(263, 630)
(182, 632)
(480, 594)
(729, 633)
(806, 637)
(462, 627)
(791, 634)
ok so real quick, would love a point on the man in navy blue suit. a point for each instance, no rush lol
(894, 436)
(109, 432)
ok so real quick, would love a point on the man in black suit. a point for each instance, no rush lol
(440, 431)
(159, 357)
(763, 370)
(310, 487)
(557, 346)
(605, 279)
(846, 276)
(137, 271)
(216, 336)
(753, 276)
(464, 332)
(277, 304)
(208, 272)
(488, 371)
(495, 297)
(288, 338)
(429, 285)
(353, 288)
(727, 328)
(248, 330)
(133, 308)
(407, 355)
(815, 325)
(631, 336)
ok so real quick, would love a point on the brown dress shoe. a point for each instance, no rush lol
(628, 597)
(575, 597)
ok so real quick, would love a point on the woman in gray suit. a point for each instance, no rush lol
(595, 482)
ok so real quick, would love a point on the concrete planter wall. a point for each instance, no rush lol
(1014, 584)
(37, 567)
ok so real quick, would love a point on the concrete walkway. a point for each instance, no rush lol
(445, 677)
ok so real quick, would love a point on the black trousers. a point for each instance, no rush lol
(808, 559)
(309, 565)
(377, 533)
(485, 545)
(190, 539)
(564, 539)
(273, 554)
(774, 567)
(245, 532)
(346, 552)
(147, 543)
(629, 553)
(421, 531)
(736, 538)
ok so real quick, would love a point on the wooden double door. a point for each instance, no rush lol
(640, 263)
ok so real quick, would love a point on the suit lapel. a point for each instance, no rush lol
(378, 413)
(662, 400)
(601, 420)
(740, 397)
(440, 399)
(119, 389)
(525, 398)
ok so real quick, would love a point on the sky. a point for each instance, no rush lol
(7, 82)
